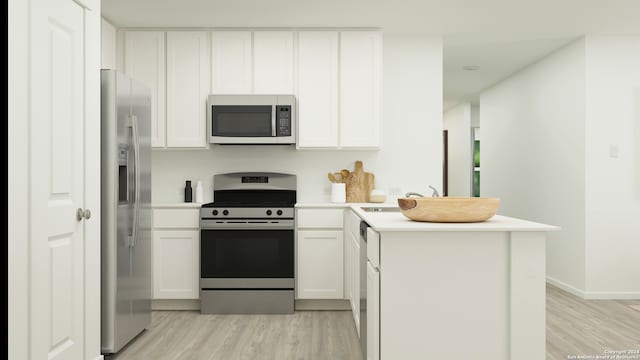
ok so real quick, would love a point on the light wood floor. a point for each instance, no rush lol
(589, 327)
(312, 335)
(574, 327)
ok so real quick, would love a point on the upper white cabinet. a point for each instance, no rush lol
(339, 89)
(360, 88)
(144, 60)
(231, 62)
(188, 74)
(317, 89)
(273, 62)
(336, 77)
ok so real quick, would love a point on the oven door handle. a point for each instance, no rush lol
(288, 225)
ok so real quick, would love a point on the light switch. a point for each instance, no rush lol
(613, 151)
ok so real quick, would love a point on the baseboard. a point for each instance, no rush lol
(300, 304)
(595, 295)
(599, 295)
(99, 357)
(175, 304)
(566, 287)
(322, 304)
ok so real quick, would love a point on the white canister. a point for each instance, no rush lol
(199, 192)
(377, 196)
(338, 193)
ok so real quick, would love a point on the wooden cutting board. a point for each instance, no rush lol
(359, 184)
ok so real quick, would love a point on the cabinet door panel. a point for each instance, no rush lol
(320, 260)
(360, 88)
(273, 62)
(144, 60)
(188, 73)
(231, 62)
(317, 89)
(176, 258)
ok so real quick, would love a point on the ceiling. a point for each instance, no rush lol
(499, 36)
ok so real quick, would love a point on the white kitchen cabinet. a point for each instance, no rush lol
(320, 260)
(317, 89)
(176, 253)
(175, 264)
(188, 74)
(273, 62)
(144, 60)
(231, 62)
(360, 88)
(320, 253)
(373, 312)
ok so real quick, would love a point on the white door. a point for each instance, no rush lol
(360, 88)
(57, 180)
(320, 260)
(188, 68)
(373, 312)
(231, 59)
(273, 62)
(317, 89)
(144, 60)
(176, 260)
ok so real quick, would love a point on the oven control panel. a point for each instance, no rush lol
(246, 213)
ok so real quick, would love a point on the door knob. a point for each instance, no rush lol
(83, 214)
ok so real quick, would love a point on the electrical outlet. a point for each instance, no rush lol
(613, 151)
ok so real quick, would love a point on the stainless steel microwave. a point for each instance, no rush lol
(252, 119)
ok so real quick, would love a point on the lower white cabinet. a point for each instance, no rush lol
(320, 264)
(175, 264)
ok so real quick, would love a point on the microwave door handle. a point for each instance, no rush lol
(273, 120)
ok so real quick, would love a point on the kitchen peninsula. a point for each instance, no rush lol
(457, 290)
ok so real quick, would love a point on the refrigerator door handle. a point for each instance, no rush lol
(136, 169)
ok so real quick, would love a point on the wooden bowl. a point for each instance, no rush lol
(449, 209)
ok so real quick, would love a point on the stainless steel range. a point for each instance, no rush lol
(247, 245)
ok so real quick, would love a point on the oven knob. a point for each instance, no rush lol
(225, 212)
(279, 212)
(215, 212)
(269, 212)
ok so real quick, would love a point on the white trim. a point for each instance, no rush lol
(322, 304)
(566, 287)
(594, 295)
(603, 295)
(18, 180)
(175, 304)
(99, 357)
(300, 304)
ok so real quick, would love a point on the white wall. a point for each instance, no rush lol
(475, 115)
(411, 148)
(533, 154)
(613, 182)
(458, 123)
(108, 45)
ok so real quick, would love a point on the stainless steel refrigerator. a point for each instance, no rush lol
(126, 209)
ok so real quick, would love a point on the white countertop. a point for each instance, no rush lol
(330, 205)
(176, 205)
(395, 221)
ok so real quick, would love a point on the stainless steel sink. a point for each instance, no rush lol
(381, 209)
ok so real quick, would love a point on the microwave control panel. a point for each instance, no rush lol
(283, 116)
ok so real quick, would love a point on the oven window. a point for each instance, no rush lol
(246, 253)
(241, 121)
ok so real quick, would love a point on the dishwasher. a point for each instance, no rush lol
(369, 292)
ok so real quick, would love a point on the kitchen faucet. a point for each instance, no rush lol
(434, 194)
